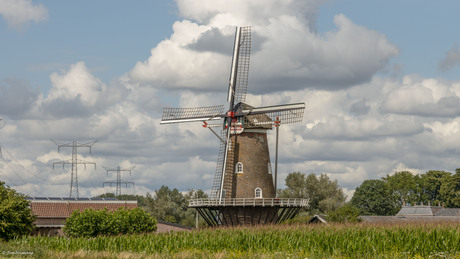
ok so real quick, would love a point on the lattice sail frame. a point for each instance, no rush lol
(270, 115)
(175, 115)
(244, 57)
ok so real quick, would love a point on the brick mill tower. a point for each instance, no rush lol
(244, 189)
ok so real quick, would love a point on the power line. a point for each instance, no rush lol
(118, 182)
(17, 174)
(74, 162)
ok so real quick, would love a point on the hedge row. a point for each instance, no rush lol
(91, 223)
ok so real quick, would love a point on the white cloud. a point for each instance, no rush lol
(20, 12)
(239, 12)
(76, 83)
(293, 57)
(287, 53)
(173, 65)
(424, 97)
(356, 125)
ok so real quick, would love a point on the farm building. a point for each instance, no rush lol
(52, 212)
(418, 214)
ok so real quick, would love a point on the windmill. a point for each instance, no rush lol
(243, 190)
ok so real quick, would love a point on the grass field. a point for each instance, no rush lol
(293, 241)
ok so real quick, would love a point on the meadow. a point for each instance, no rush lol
(281, 241)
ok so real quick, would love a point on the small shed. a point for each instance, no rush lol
(318, 219)
(52, 212)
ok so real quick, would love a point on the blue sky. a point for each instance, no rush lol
(423, 30)
(379, 79)
(110, 36)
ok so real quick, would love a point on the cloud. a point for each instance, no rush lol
(295, 58)
(18, 13)
(76, 92)
(173, 65)
(424, 97)
(357, 125)
(77, 82)
(287, 54)
(451, 59)
(17, 98)
(239, 12)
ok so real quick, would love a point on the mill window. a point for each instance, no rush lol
(239, 168)
(258, 193)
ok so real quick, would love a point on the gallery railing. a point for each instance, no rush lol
(259, 202)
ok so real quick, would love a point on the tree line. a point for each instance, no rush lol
(383, 197)
(170, 205)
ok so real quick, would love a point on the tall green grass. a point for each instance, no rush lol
(357, 240)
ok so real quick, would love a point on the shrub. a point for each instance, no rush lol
(91, 223)
(16, 217)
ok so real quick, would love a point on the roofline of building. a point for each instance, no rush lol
(92, 201)
(71, 199)
(173, 224)
(49, 226)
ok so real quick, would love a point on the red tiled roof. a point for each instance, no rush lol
(63, 209)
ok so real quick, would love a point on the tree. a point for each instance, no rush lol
(346, 213)
(373, 197)
(325, 195)
(125, 197)
(450, 191)
(172, 206)
(296, 185)
(16, 217)
(191, 213)
(166, 204)
(403, 187)
(430, 186)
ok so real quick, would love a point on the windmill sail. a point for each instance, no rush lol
(286, 113)
(215, 190)
(237, 87)
(177, 115)
(239, 73)
(244, 56)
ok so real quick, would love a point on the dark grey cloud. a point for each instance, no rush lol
(360, 108)
(451, 59)
(17, 98)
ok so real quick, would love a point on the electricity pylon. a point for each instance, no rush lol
(74, 162)
(118, 182)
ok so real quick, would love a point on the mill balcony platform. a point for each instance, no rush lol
(247, 211)
(254, 202)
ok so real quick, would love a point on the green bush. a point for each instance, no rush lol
(91, 223)
(16, 217)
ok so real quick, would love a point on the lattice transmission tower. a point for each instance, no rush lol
(118, 182)
(74, 162)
